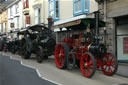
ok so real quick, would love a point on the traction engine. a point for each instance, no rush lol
(84, 50)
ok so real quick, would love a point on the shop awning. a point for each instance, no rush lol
(80, 24)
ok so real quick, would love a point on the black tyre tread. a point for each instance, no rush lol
(27, 55)
(28, 52)
(40, 60)
(74, 61)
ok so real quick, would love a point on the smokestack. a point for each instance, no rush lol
(50, 22)
(97, 26)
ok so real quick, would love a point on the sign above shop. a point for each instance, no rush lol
(76, 22)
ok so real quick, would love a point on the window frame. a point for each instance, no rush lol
(11, 12)
(54, 9)
(27, 21)
(83, 10)
(17, 8)
(18, 24)
(38, 15)
(25, 4)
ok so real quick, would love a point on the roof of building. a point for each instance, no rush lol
(4, 4)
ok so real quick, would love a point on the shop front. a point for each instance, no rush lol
(122, 38)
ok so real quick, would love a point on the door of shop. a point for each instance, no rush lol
(122, 38)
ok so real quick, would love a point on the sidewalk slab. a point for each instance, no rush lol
(123, 69)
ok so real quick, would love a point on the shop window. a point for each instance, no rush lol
(80, 7)
(37, 16)
(54, 9)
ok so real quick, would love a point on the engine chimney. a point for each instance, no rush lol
(97, 26)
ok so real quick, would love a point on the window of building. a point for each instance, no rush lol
(54, 9)
(37, 15)
(11, 11)
(5, 27)
(0, 27)
(17, 8)
(26, 4)
(86, 5)
(80, 7)
(18, 22)
(27, 20)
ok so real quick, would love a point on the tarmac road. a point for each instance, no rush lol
(13, 73)
(49, 71)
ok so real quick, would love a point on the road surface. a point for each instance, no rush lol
(48, 71)
(13, 73)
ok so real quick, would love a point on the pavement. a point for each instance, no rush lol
(122, 69)
(48, 71)
(13, 73)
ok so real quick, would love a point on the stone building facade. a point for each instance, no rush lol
(115, 13)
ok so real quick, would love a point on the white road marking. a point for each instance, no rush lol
(38, 72)
(51, 81)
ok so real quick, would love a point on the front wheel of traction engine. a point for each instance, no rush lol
(40, 55)
(61, 53)
(109, 64)
(26, 50)
(26, 54)
(88, 65)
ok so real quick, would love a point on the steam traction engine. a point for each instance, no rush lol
(44, 43)
(81, 47)
(40, 42)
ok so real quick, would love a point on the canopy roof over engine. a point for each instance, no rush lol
(23, 31)
(80, 24)
(38, 27)
(2, 34)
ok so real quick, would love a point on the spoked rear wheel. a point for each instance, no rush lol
(109, 64)
(61, 53)
(88, 65)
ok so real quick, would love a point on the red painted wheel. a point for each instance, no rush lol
(88, 65)
(109, 64)
(61, 53)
